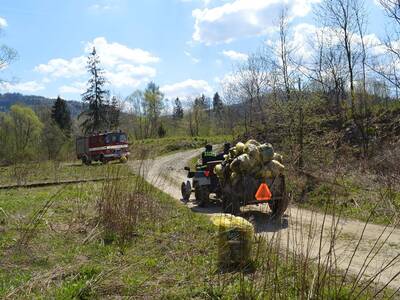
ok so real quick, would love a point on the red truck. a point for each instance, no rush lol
(102, 147)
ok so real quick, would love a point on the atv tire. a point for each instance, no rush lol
(280, 200)
(186, 190)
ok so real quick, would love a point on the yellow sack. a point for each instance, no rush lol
(252, 151)
(218, 170)
(253, 142)
(266, 152)
(242, 164)
(239, 148)
(235, 239)
(276, 167)
(278, 157)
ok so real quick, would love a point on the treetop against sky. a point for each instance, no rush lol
(188, 47)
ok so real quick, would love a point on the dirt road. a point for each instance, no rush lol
(300, 229)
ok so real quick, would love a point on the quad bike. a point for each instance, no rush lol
(204, 182)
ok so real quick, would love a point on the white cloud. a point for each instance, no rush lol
(3, 23)
(305, 36)
(235, 55)
(129, 75)
(59, 67)
(100, 7)
(243, 18)
(104, 5)
(74, 88)
(115, 53)
(123, 66)
(193, 59)
(22, 87)
(187, 89)
(205, 2)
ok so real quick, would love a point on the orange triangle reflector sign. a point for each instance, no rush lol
(263, 193)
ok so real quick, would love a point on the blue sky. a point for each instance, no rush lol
(185, 46)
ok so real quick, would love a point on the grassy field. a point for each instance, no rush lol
(66, 255)
(167, 145)
(357, 196)
(54, 171)
(126, 238)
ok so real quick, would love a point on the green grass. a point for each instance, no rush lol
(53, 171)
(172, 253)
(174, 144)
(165, 252)
(353, 199)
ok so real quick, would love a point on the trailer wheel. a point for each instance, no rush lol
(202, 196)
(280, 200)
(230, 203)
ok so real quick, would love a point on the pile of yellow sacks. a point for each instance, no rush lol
(251, 158)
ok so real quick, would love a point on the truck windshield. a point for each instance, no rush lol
(115, 138)
(122, 138)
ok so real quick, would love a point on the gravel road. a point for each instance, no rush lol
(300, 229)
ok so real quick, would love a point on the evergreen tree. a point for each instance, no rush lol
(217, 104)
(161, 131)
(61, 115)
(178, 110)
(114, 112)
(202, 102)
(94, 97)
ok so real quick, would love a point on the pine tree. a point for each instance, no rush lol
(61, 115)
(161, 131)
(178, 110)
(217, 104)
(114, 112)
(202, 102)
(94, 97)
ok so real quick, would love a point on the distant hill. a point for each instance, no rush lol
(8, 99)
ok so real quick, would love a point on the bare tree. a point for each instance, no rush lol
(284, 52)
(340, 16)
(138, 109)
(388, 65)
(7, 55)
(346, 18)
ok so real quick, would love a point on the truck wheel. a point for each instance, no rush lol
(103, 160)
(86, 161)
(280, 200)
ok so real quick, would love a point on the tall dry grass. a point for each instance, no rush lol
(122, 205)
(306, 261)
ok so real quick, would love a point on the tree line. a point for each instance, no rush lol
(277, 90)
